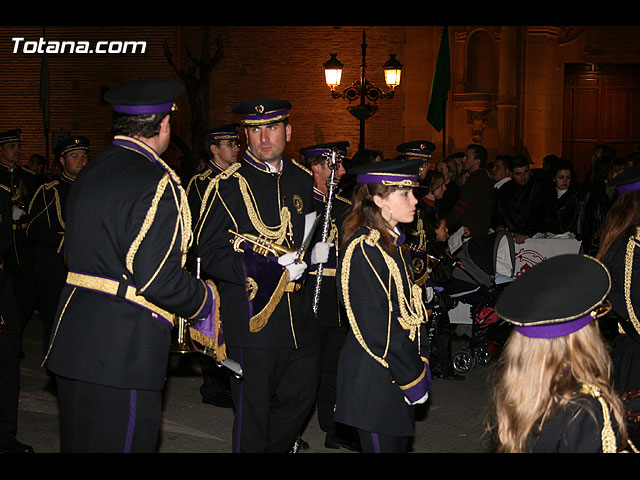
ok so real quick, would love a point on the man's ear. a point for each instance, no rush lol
(165, 124)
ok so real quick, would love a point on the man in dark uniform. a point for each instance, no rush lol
(127, 232)
(9, 339)
(268, 322)
(18, 260)
(46, 228)
(418, 149)
(223, 145)
(330, 313)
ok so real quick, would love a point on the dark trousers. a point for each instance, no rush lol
(102, 419)
(275, 397)
(332, 339)
(372, 442)
(22, 275)
(10, 334)
(50, 284)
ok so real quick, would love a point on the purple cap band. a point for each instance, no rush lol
(630, 187)
(554, 329)
(144, 109)
(316, 153)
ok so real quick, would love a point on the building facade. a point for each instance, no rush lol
(532, 90)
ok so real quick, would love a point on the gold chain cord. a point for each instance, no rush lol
(628, 270)
(272, 233)
(607, 434)
(411, 317)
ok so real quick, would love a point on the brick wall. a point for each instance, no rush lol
(283, 62)
(278, 61)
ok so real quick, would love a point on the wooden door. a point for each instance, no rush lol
(601, 106)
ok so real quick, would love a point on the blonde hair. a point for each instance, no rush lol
(452, 166)
(537, 376)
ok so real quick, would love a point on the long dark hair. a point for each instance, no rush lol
(621, 220)
(365, 212)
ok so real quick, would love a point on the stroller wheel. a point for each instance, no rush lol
(463, 362)
(483, 357)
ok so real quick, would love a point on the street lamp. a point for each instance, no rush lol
(362, 88)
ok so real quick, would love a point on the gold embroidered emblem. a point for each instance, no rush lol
(251, 287)
(259, 109)
(418, 265)
(297, 203)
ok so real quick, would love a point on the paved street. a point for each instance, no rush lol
(451, 422)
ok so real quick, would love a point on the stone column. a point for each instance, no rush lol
(507, 102)
(542, 96)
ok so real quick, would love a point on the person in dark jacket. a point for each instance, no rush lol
(9, 339)
(330, 314)
(46, 228)
(521, 203)
(19, 259)
(383, 369)
(619, 252)
(127, 233)
(564, 203)
(269, 325)
(474, 207)
(597, 198)
(553, 391)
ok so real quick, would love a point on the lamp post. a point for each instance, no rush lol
(362, 88)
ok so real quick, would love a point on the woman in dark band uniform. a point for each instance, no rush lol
(383, 369)
(620, 253)
(553, 392)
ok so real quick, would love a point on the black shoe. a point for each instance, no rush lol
(219, 399)
(335, 443)
(14, 446)
(298, 445)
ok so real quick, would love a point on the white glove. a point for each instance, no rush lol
(320, 252)
(17, 212)
(419, 401)
(288, 260)
(429, 293)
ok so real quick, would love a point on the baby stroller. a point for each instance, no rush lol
(487, 265)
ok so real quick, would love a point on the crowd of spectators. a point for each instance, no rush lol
(507, 193)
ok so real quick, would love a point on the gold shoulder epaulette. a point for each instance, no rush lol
(343, 199)
(229, 171)
(51, 184)
(372, 237)
(204, 174)
(302, 167)
(4, 187)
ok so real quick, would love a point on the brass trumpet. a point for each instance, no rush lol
(259, 244)
(182, 342)
(415, 248)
